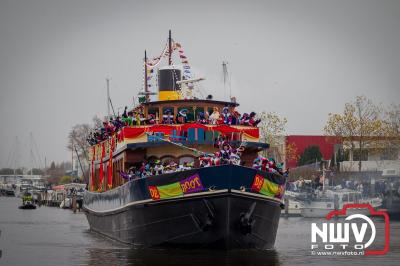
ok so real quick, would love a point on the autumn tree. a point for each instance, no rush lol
(272, 129)
(360, 126)
(392, 131)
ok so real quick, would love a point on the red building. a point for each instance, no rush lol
(301, 142)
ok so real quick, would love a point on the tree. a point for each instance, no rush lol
(392, 131)
(272, 129)
(77, 143)
(311, 154)
(65, 179)
(359, 127)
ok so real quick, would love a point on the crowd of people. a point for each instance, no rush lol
(215, 118)
(137, 118)
(226, 154)
(155, 167)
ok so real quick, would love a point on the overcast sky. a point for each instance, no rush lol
(301, 59)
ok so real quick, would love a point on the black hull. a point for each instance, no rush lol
(224, 220)
(392, 205)
(226, 214)
(27, 207)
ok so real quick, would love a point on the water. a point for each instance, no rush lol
(52, 236)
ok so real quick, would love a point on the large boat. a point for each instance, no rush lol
(208, 201)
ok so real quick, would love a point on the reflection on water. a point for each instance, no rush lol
(181, 257)
(51, 236)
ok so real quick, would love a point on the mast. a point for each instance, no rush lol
(146, 88)
(108, 99)
(169, 48)
(224, 75)
(31, 153)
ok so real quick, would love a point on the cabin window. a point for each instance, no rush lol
(189, 114)
(188, 159)
(345, 198)
(351, 197)
(167, 159)
(210, 110)
(153, 111)
(168, 108)
(198, 111)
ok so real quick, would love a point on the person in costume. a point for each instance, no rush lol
(205, 161)
(201, 120)
(158, 168)
(235, 118)
(252, 119)
(234, 157)
(215, 116)
(181, 117)
(151, 120)
(225, 115)
(129, 120)
(216, 160)
(125, 115)
(168, 118)
(225, 153)
(245, 119)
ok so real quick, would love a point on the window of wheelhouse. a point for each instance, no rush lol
(191, 112)
(187, 159)
(163, 116)
(168, 159)
(197, 112)
(154, 111)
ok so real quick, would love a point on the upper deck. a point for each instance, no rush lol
(191, 132)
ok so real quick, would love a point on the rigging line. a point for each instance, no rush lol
(181, 145)
(37, 151)
(112, 107)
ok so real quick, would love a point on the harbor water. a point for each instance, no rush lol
(53, 236)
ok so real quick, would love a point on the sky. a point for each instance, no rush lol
(301, 59)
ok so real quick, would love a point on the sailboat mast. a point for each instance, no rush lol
(169, 48)
(108, 99)
(31, 153)
(146, 87)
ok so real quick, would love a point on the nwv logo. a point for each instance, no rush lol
(339, 234)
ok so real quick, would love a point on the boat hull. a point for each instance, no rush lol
(220, 219)
(226, 218)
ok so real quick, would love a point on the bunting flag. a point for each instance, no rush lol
(110, 166)
(92, 168)
(267, 187)
(192, 184)
(101, 170)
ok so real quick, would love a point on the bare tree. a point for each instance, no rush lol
(77, 143)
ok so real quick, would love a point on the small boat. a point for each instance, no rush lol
(27, 202)
(331, 200)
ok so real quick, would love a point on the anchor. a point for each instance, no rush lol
(246, 220)
(209, 217)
